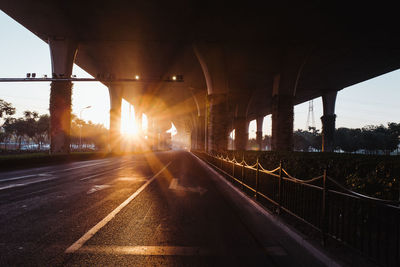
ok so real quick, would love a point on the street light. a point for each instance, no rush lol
(80, 128)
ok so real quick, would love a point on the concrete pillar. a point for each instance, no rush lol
(115, 118)
(241, 133)
(201, 131)
(138, 119)
(165, 140)
(139, 145)
(63, 53)
(156, 134)
(150, 132)
(217, 123)
(212, 57)
(259, 133)
(282, 115)
(328, 121)
(193, 139)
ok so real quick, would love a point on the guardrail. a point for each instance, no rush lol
(370, 225)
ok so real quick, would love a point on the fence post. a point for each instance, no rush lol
(233, 167)
(242, 177)
(324, 210)
(222, 159)
(257, 174)
(280, 188)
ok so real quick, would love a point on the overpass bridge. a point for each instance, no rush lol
(239, 61)
(232, 64)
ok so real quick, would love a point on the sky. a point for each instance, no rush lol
(372, 102)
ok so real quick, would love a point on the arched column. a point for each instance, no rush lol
(328, 121)
(212, 61)
(151, 135)
(294, 58)
(217, 124)
(282, 116)
(201, 131)
(115, 92)
(241, 133)
(139, 145)
(63, 53)
(259, 133)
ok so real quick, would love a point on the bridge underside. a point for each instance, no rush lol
(239, 62)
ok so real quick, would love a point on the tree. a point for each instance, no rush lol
(42, 130)
(304, 140)
(348, 140)
(6, 108)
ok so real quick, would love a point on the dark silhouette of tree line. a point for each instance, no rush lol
(32, 131)
(370, 139)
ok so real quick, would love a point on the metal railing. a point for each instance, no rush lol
(370, 225)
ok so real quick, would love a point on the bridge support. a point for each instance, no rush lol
(193, 139)
(139, 125)
(217, 123)
(63, 53)
(259, 133)
(282, 116)
(328, 121)
(201, 133)
(151, 134)
(115, 118)
(212, 61)
(241, 133)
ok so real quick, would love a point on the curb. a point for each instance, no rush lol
(316, 252)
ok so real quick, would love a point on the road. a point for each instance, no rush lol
(153, 209)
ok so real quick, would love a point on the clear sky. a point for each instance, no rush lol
(375, 101)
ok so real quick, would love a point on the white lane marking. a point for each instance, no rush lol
(79, 167)
(79, 243)
(24, 184)
(25, 176)
(91, 176)
(97, 188)
(174, 185)
(46, 173)
(276, 251)
(145, 250)
(17, 178)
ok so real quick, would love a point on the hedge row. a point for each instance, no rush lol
(373, 175)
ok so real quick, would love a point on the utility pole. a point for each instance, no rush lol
(310, 115)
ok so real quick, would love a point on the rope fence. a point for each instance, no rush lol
(368, 224)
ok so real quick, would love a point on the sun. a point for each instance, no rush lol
(129, 126)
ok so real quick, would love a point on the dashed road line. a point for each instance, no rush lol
(25, 184)
(145, 250)
(96, 188)
(81, 241)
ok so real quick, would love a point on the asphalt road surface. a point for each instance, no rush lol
(154, 209)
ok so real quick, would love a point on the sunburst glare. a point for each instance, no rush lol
(129, 126)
